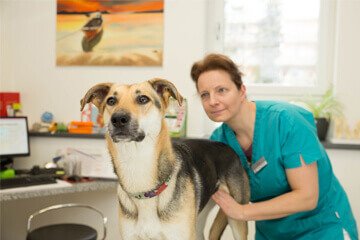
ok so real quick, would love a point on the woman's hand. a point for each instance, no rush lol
(230, 207)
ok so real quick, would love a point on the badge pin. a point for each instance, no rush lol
(258, 165)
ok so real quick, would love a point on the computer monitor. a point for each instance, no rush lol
(14, 139)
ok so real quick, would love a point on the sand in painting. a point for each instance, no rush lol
(129, 39)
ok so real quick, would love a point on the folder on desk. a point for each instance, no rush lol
(94, 162)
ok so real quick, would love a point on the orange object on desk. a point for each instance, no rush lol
(80, 127)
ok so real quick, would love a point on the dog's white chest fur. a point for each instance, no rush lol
(148, 226)
(137, 166)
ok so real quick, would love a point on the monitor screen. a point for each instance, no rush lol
(14, 138)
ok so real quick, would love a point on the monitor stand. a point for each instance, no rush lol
(5, 170)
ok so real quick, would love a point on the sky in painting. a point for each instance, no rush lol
(111, 6)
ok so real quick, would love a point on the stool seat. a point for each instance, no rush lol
(63, 231)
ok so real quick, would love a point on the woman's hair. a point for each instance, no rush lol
(216, 62)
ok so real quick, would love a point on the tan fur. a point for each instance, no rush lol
(217, 229)
(163, 142)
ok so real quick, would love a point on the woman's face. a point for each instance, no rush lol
(220, 97)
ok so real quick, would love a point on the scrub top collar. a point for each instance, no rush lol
(232, 140)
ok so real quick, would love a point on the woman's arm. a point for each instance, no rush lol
(303, 197)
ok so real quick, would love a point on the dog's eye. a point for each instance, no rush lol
(142, 99)
(111, 101)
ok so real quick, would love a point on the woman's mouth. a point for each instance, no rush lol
(217, 112)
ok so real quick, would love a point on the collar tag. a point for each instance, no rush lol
(258, 165)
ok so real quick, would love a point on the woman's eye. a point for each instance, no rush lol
(204, 95)
(222, 90)
(142, 99)
(111, 101)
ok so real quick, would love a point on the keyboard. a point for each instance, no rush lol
(26, 180)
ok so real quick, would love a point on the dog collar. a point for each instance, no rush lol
(152, 193)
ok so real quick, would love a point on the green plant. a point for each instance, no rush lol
(325, 107)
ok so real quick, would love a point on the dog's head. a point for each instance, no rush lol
(132, 112)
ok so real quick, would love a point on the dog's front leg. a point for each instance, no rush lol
(239, 229)
(180, 234)
(127, 229)
(201, 220)
(180, 230)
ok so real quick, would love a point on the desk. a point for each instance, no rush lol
(60, 187)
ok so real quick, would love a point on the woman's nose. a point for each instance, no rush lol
(213, 100)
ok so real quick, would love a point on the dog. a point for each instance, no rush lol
(165, 185)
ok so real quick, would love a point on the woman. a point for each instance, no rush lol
(294, 192)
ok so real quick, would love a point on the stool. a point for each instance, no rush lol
(63, 231)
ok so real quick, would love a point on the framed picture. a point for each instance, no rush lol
(109, 32)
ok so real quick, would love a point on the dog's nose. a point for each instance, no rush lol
(120, 119)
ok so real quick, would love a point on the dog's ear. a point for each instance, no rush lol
(96, 95)
(165, 89)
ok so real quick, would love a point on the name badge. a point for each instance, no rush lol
(258, 165)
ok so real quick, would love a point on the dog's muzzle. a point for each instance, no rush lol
(123, 127)
(120, 120)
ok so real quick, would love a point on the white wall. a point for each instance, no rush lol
(347, 58)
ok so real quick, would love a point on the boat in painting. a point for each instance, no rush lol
(93, 31)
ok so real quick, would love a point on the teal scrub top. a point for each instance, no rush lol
(282, 133)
